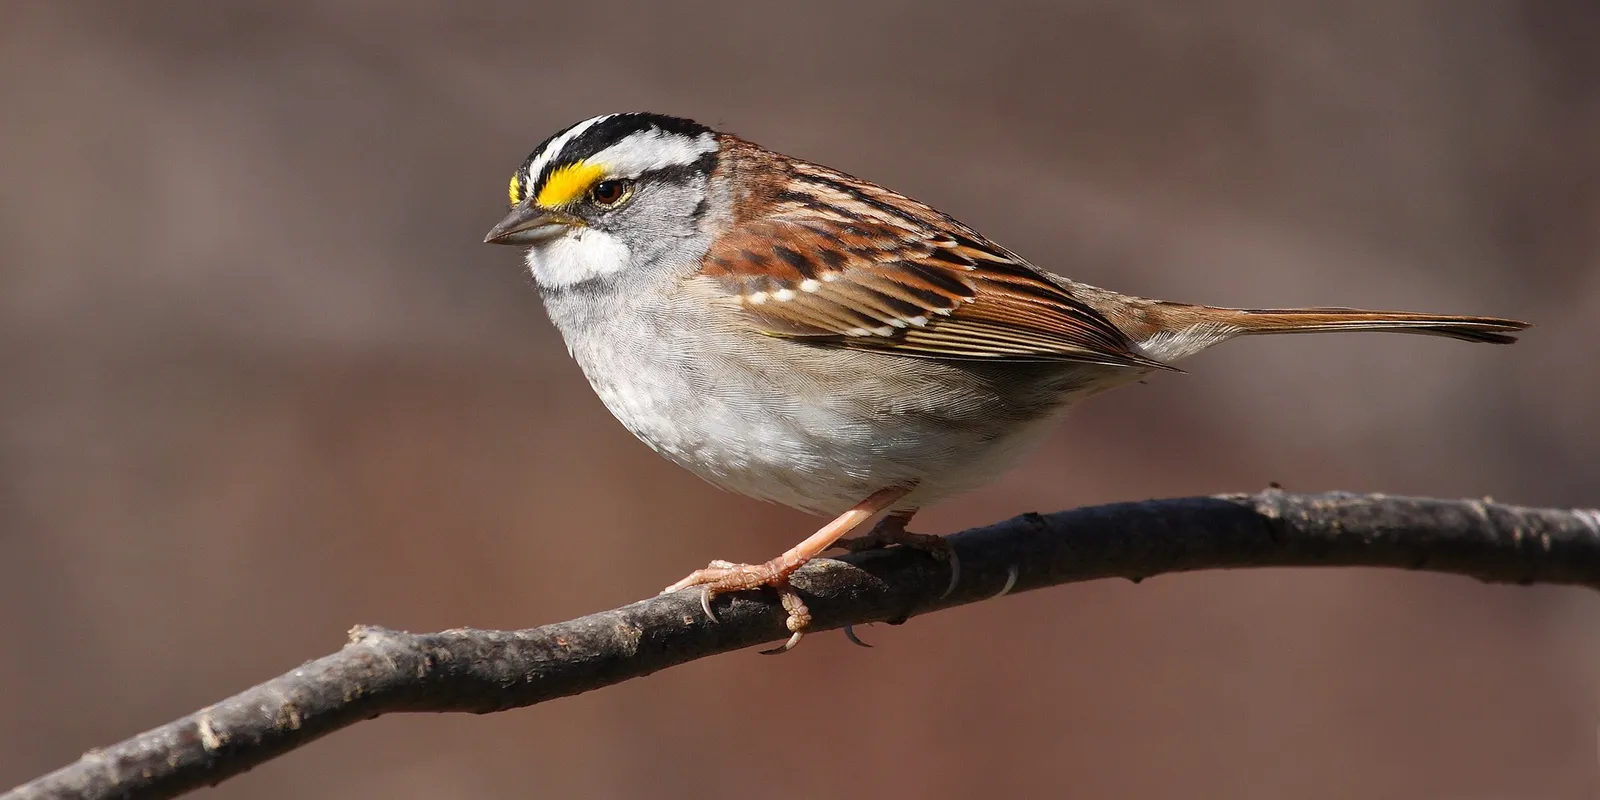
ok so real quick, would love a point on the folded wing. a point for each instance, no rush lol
(894, 283)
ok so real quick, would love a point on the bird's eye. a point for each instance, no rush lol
(610, 193)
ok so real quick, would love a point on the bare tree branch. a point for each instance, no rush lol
(382, 671)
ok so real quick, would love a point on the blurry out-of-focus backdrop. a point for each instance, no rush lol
(260, 381)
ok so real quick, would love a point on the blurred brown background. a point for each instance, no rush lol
(262, 382)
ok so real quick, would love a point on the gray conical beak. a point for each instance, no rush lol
(528, 225)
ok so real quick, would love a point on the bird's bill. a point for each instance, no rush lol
(527, 225)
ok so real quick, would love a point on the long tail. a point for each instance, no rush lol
(1490, 330)
(1171, 331)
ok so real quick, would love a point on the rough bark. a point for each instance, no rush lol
(383, 671)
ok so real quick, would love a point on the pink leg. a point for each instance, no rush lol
(892, 530)
(721, 576)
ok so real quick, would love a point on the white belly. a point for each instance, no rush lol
(816, 430)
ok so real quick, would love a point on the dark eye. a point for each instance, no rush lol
(609, 193)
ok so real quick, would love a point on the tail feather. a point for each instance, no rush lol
(1490, 330)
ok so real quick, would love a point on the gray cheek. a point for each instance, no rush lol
(662, 210)
(658, 229)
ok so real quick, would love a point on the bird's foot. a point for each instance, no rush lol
(891, 530)
(720, 577)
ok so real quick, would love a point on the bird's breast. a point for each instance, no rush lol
(811, 427)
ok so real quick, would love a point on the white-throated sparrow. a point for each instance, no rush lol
(798, 335)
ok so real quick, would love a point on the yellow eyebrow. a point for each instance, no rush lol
(569, 183)
(515, 191)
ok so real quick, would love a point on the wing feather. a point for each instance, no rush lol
(842, 262)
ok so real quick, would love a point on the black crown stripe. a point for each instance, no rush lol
(603, 134)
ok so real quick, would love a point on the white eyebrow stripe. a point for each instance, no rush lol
(558, 144)
(653, 149)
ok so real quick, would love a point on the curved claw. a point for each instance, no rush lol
(722, 576)
(794, 639)
(955, 571)
(705, 603)
(850, 633)
(1011, 582)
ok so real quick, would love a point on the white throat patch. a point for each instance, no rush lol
(581, 254)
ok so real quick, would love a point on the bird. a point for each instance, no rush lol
(798, 335)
